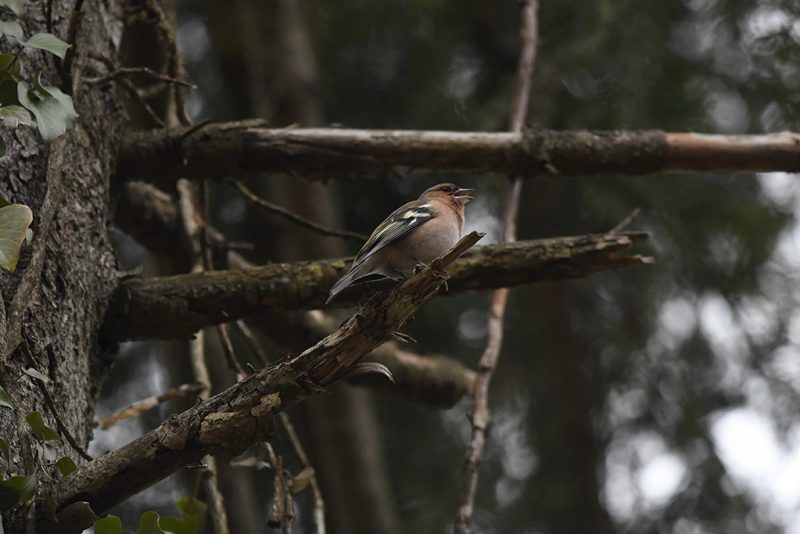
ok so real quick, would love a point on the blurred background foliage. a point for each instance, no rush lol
(660, 399)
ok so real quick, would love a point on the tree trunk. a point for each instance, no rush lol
(56, 299)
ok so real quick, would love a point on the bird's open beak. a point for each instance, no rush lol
(463, 195)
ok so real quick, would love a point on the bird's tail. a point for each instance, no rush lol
(342, 283)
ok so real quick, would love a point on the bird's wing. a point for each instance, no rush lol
(395, 226)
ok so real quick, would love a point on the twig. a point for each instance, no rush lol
(316, 493)
(131, 89)
(291, 434)
(293, 217)
(480, 411)
(624, 223)
(282, 503)
(191, 224)
(139, 407)
(72, 33)
(126, 72)
(62, 428)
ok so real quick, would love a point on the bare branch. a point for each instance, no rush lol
(128, 72)
(139, 407)
(229, 422)
(177, 306)
(479, 418)
(293, 217)
(236, 149)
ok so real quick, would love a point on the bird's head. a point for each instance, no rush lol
(449, 192)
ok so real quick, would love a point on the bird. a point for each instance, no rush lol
(414, 234)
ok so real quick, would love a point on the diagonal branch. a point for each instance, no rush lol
(227, 423)
(177, 306)
(239, 148)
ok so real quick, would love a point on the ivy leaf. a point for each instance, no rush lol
(5, 400)
(38, 375)
(8, 498)
(179, 525)
(148, 524)
(10, 74)
(53, 109)
(14, 221)
(13, 115)
(11, 28)
(41, 431)
(49, 42)
(66, 466)
(110, 524)
(17, 6)
(16, 490)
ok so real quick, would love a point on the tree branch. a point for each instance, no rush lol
(227, 423)
(238, 148)
(151, 217)
(177, 306)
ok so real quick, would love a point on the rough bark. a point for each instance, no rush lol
(236, 148)
(232, 420)
(57, 297)
(176, 306)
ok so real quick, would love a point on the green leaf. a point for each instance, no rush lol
(5, 400)
(23, 487)
(11, 28)
(41, 431)
(17, 6)
(179, 525)
(38, 375)
(148, 524)
(53, 109)
(14, 221)
(66, 466)
(9, 497)
(13, 115)
(49, 42)
(191, 507)
(10, 74)
(110, 524)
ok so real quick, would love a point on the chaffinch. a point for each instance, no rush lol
(415, 233)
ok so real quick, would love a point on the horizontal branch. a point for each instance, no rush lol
(178, 306)
(229, 422)
(237, 148)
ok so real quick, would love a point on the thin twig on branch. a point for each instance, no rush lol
(177, 306)
(229, 422)
(193, 224)
(479, 418)
(139, 407)
(295, 218)
(128, 72)
(236, 149)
